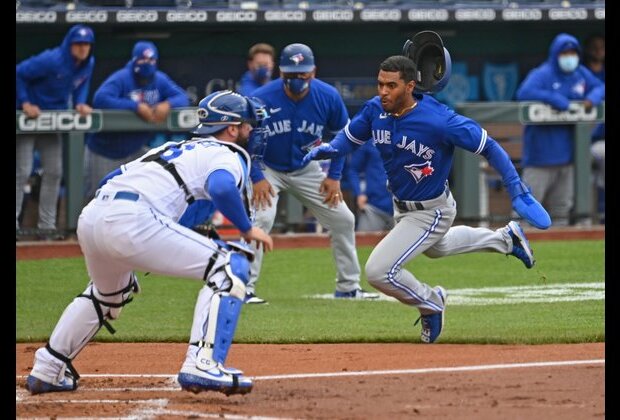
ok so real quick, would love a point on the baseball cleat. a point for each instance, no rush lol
(220, 380)
(39, 386)
(520, 245)
(251, 298)
(432, 324)
(356, 294)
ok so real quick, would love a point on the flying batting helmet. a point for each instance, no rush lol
(296, 58)
(225, 107)
(432, 61)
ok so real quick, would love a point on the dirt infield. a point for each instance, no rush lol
(330, 381)
(361, 381)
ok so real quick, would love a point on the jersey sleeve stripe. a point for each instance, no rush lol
(483, 142)
(351, 137)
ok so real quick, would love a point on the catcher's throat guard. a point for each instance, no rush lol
(432, 61)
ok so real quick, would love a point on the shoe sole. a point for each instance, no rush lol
(197, 388)
(37, 386)
(525, 244)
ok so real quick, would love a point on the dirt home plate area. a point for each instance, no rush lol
(330, 381)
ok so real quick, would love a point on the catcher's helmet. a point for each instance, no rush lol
(296, 58)
(225, 107)
(432, 61)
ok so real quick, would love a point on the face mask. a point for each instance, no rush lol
(568, 63)
(262, 73)
(297, 86)
(144, 70)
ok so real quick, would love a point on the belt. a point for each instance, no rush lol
(404, 205)
(119, 195)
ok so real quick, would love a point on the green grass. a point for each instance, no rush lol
(163, 312)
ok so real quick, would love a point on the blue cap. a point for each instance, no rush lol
(144, 49)
(296, 58)
(81, 33)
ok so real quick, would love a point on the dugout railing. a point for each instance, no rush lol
(467, 183)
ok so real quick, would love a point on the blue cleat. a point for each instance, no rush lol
(356, 294)
(39, 386)
(520, 245)
(432, 324)
(225, 380)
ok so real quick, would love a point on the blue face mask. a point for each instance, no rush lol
(297, 86)
(144, 70)
(262, 73)
(568, 63)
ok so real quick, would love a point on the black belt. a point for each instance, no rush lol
(402, 204)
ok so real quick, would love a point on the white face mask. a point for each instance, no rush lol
(568, 63)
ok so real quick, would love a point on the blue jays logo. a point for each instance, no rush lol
(148, 53)
(297, 58)
(419, 171)
(580, 88)
(136, 96)
(83, 32)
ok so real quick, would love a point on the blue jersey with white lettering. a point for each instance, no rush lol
(296, 127)
(417, 149)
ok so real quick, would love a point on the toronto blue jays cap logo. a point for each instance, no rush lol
(297, 58)
(419, 171)
(83, 32)
(148, 53)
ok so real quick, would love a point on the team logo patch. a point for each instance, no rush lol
(83, 32)
(148, 53)
(419, 171)
(297, 58)
(580, 88)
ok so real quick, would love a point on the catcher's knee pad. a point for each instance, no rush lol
(111, 310)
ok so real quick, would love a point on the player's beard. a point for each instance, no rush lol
(242, 140)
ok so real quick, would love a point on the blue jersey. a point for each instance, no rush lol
(417, 149)
(51, 78)
(367, 160)
(121, 91)
(296, 127)
(552, 144)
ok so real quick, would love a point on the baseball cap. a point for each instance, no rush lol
(296, 58)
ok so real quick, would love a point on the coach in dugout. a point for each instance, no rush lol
(56, 79)
(139, 87)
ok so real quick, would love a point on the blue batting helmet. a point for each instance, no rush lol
(225, 107)
(432, 61)
(296, 58)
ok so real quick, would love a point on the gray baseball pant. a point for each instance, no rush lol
(553, 187)
(430, 232)
(304, 185)
(372, 219)
(49, 146)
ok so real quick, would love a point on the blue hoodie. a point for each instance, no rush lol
(122, 90)
(548, 145)
(51, 77)
(367, 160)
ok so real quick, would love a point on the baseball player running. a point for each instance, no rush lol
(416, 137)
(302, 110)
(131, 224)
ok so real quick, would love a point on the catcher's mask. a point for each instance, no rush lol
(432, 61)
(223, 108)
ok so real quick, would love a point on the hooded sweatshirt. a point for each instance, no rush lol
(124, 89)
(552, 144)
(50, 78)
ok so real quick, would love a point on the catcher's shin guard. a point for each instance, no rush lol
(215, 321)
(79, 323)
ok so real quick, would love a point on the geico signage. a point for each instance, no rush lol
(474, 14)
(380, 14)
(35, 17)
(184, 118)
(285, 15)
(99, 16)
(235, 16)
(568, 14)
(137, 16)
(522, 14)
(332, 15)
(542, 113)
(55, 121)
(189, 16)
(428, 14)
